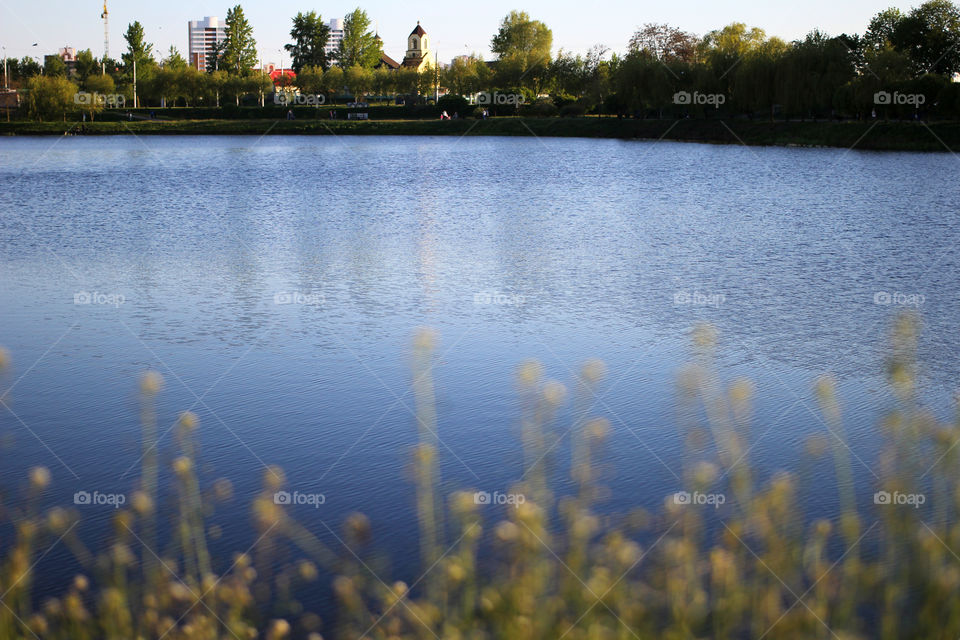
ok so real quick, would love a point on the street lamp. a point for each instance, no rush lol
(5, 85)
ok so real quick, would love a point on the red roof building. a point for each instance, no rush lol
(275, 73)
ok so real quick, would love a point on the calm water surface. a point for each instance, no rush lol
(276, 284)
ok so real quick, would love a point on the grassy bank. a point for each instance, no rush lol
(900, 136)
(544, 566)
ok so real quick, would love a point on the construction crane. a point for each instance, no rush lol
(106, 31)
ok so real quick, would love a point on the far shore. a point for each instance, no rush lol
(874, 135)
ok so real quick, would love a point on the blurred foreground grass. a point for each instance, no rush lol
(552, 567)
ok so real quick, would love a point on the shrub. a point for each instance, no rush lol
(544, 108)
(572, 110)
(453, 104)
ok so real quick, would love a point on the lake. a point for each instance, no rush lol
(276, 284)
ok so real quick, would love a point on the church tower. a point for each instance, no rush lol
(418, 49)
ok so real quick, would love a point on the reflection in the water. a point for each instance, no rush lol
(562, 250)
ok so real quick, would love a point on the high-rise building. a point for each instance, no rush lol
(204, 36)
(336, 35)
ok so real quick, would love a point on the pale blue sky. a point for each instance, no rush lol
(455, 28)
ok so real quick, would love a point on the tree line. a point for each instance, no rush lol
(903, 66)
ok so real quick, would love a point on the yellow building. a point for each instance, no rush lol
(418, 50)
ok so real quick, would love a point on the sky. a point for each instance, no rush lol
(455, 28)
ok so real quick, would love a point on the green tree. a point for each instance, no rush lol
(643, 83)
(53, 65)
(165, 85)
(213, 86)
(137, 48)
(426, 81)
(930, 35)
(86, 65)
(811, 74)
(359, 46)
(406, 81)
(310, 80)
(755, 78)
(192, 82)
(664, 42)
(567, 74)
(889, 66)
(50, 96)
(597, 76)
(333, 81)
(359, 80)
(100, 85)
(239, 47)
(234, 86)
(382, 81)
(138, 61)
(174, 60)
(309, 35)
(29, 67)
(258, 84)
(722, 51)
(214, 57)
(460, 77)
(880, 31)
(523, 49)
(114, 68)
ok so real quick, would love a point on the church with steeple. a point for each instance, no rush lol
(417, 56)
(418, 50)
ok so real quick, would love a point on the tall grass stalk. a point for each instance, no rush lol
(555, 566)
